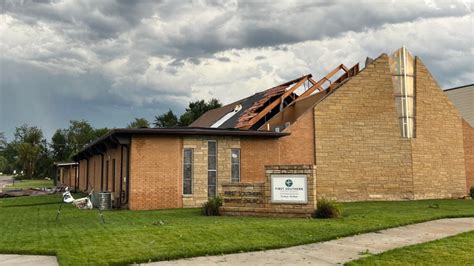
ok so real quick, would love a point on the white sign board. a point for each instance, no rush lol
(289, 188)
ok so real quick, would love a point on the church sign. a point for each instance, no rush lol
(288, 188)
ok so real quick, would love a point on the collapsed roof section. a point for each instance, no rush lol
(256, 111)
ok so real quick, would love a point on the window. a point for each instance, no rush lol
(235, 165)
(188, 172)
(211, 168)
(402, 67)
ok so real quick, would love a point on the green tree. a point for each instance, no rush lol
(3, 141)
(28, 144)
(79, 134)
(10, 153)
(99, 132)
(45, 161)
(61, 151)
(3, 164)
(196, 109)
(138, 123)
(167, 119)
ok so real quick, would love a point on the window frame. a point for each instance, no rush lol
(192, 171)
(213, 170)
(232, 164)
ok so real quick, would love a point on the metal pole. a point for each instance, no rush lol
(59, 210)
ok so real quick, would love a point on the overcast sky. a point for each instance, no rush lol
(110, 61)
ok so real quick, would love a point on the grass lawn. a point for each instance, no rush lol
(455, 250)
(35, 183)
(27, 225)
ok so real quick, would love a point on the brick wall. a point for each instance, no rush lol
(360, 154)
(255, 154)
(155, 172)
(469, 153)
(437, 149)
(298, 148)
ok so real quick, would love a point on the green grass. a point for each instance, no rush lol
(27, 225)
(455, 250)
(35, 183)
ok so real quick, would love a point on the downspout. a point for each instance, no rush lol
(87, 174)
(121, 176)
(78, 172)
(128, 173)
(101, 172)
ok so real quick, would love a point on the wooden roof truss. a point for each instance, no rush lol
(253, 115)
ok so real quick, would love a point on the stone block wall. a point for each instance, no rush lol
(468, 132)
(360, 153)
(247, 199)
(199, 144)
(437, 149)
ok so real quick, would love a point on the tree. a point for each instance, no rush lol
(167, 119)
(3, 164)
(11, 154)
(196, 109)
(99, 132)
(79, 134)
(28, 144)
(61, 151)
(138, 123)
(3, 141)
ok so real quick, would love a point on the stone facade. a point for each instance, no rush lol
(361, 155)
(255, 199)
(468, 132)
(437, 149)
(199, 146)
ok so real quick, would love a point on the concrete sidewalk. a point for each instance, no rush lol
(24, 260)
(340, 250)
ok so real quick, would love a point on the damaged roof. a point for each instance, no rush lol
(254, 111)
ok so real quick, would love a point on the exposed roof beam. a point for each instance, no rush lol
(317, 85)
(275, 103)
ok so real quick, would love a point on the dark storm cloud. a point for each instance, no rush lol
(108, 61)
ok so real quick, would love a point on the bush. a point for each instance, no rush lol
(472, 192)
(211, 207)
(327, 209)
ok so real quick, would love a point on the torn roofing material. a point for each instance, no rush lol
(258, 109)
(250, 107)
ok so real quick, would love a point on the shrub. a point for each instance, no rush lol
(327, 209)
(472, 192)
(211, 207)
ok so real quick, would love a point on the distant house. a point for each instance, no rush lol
(385, 132)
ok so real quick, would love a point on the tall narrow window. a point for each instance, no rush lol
(211, 168)
(235, 165)
(188, 171)
(402, 67)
